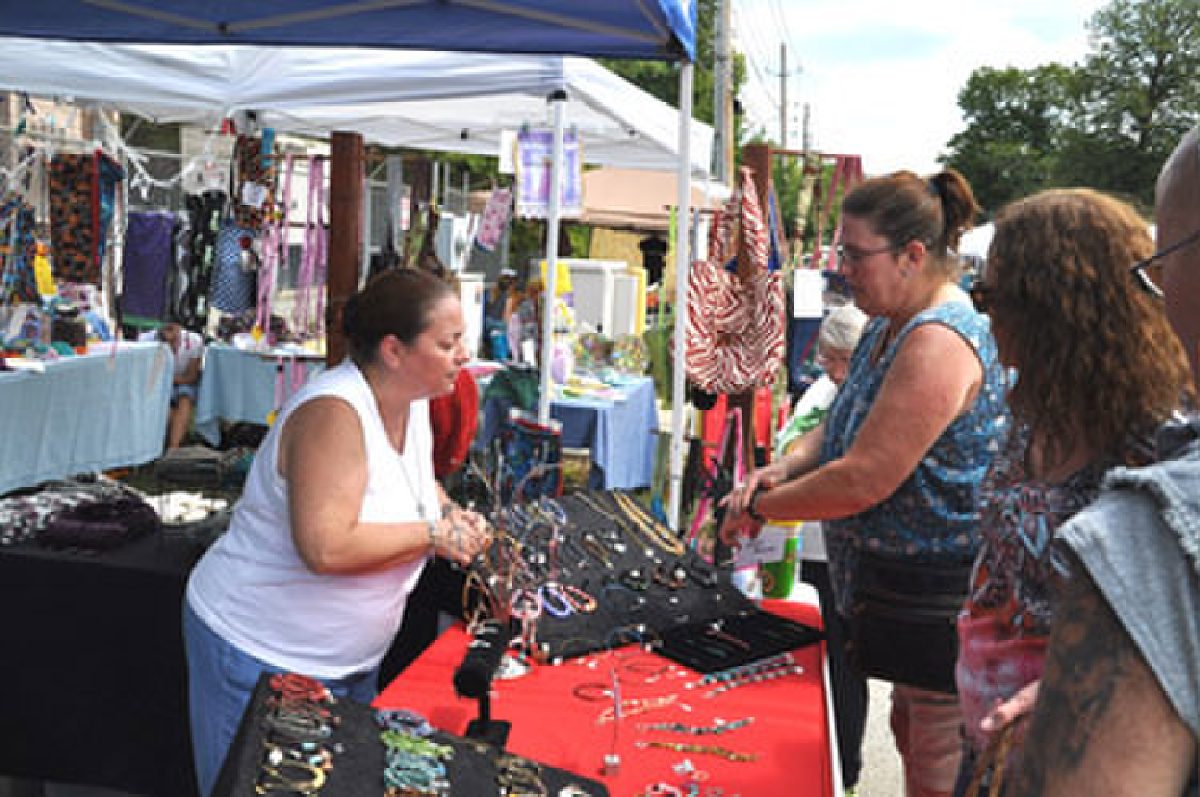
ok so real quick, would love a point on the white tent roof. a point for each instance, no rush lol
(452, 102)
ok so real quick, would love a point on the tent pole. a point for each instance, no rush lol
(683, 217)
(559, 100)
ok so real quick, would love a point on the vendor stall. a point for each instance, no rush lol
(81, 414)
(248, 386)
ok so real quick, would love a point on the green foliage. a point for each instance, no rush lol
(1108, 122)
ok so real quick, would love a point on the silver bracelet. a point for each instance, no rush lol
(432, 526)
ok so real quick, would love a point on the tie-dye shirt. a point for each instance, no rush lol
(934, 514)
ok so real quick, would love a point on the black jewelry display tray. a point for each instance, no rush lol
(660, 615)
(734, 640)
(358, 768)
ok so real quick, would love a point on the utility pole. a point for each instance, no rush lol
(722, 156)
(783, 101)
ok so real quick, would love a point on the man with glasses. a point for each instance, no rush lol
(1118, 712)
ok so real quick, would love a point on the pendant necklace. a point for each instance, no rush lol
(417, 497)
(413, 486)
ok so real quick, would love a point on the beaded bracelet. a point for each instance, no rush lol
(718, 727)
(404, 720)
(309, 785)
(705, 749)
(733, 673)
(762, 677)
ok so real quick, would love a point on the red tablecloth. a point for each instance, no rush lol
(789, 734)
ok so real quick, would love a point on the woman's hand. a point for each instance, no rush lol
(461, 535)
(1006, 712)
(737, 519)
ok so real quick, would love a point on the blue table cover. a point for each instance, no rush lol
(621, 435)
(240, 385)
(84, 414)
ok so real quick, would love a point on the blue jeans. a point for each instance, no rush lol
(221, 679)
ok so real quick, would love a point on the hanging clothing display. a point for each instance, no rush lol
(735, 334)
(255, 180)
(149, 256)
(196, 244)
(82, 197)
(17, 248)
(233, 287)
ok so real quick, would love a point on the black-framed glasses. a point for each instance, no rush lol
(1138, 269)
(854, 256)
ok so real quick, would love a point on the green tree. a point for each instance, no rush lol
(1108, 122)
(1015, 122)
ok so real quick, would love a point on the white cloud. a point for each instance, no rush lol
(882, 78)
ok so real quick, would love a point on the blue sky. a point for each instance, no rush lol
(881, 77)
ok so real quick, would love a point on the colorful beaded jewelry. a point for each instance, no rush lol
(718, 727)
(703, 749)
(761, 677)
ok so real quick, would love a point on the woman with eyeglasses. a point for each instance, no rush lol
(895, 468)
(1098, 370)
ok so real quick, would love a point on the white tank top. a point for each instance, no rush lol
(253, 589)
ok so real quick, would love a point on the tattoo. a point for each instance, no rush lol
(1088, 655)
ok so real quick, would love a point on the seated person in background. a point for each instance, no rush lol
(188, 350)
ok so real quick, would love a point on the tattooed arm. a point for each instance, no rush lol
(1102, 725)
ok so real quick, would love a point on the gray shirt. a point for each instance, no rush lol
(1140, 542)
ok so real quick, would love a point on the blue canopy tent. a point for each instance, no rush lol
(651, 29)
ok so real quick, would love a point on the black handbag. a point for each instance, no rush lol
(902, 620)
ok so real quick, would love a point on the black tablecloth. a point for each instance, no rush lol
(358, 764)
(93, 670)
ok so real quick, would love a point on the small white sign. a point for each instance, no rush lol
(766, 547)
(808, 288)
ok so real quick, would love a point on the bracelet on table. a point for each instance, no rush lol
(705, 749)
(310, 779)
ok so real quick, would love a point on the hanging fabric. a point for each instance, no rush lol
(82, 198)
(196, 256)
(233, 286)
(735, 334)
(274, 249)
(147, 262)
(255, 180)
(17, 250)
(495, 219)
(307, 321)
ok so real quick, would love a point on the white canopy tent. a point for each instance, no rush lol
(444, 101)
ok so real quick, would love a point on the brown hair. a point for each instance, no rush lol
(903, 207)
(395, 302)
(1097, 361)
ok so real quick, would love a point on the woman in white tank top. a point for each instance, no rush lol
(340, 512)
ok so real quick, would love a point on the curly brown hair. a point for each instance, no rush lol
(1097, 361)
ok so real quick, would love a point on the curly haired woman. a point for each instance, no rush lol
(1098, 370)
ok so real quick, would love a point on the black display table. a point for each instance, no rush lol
(93, 673)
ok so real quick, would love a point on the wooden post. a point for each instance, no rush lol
(345, 236)
(758, 158)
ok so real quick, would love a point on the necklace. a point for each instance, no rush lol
(413, 488)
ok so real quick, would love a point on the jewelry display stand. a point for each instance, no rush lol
(358, 758)
(647, 587)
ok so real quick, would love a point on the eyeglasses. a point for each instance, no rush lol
(846, 254)
(1138, 269)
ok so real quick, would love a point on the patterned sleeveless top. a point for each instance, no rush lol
(934, 514)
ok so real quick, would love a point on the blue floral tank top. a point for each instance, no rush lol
(934, 514)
